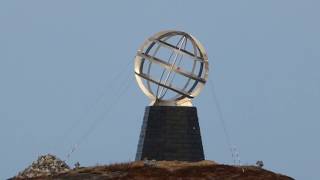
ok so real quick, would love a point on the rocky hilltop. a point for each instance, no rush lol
(157, 170)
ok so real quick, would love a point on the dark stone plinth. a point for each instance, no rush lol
(170, 133)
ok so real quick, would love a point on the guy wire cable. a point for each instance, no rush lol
(98, 120)
(232, 148)
(92, 107)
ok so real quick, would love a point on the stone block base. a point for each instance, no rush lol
(170, 133)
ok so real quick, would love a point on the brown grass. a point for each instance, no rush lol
(163, 170)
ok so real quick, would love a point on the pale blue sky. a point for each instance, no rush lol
(59, 61)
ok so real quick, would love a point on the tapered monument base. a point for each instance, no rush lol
(170, 133)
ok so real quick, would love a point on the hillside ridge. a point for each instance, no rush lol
(161, 170)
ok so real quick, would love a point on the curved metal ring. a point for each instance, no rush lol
(184, 95)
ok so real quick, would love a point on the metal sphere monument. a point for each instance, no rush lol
(171, 68)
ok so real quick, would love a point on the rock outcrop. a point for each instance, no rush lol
(44, 166)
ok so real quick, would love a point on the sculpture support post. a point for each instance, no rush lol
(170, 133)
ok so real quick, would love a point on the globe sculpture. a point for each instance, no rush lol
(171, 68)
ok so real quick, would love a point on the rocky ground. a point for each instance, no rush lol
(44, 166)
(156, 170)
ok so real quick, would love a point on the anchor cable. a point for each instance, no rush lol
(234, 152)
(93, 106)
(98, 120)
(109, 108)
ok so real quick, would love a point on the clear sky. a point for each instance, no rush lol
(65, 66)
